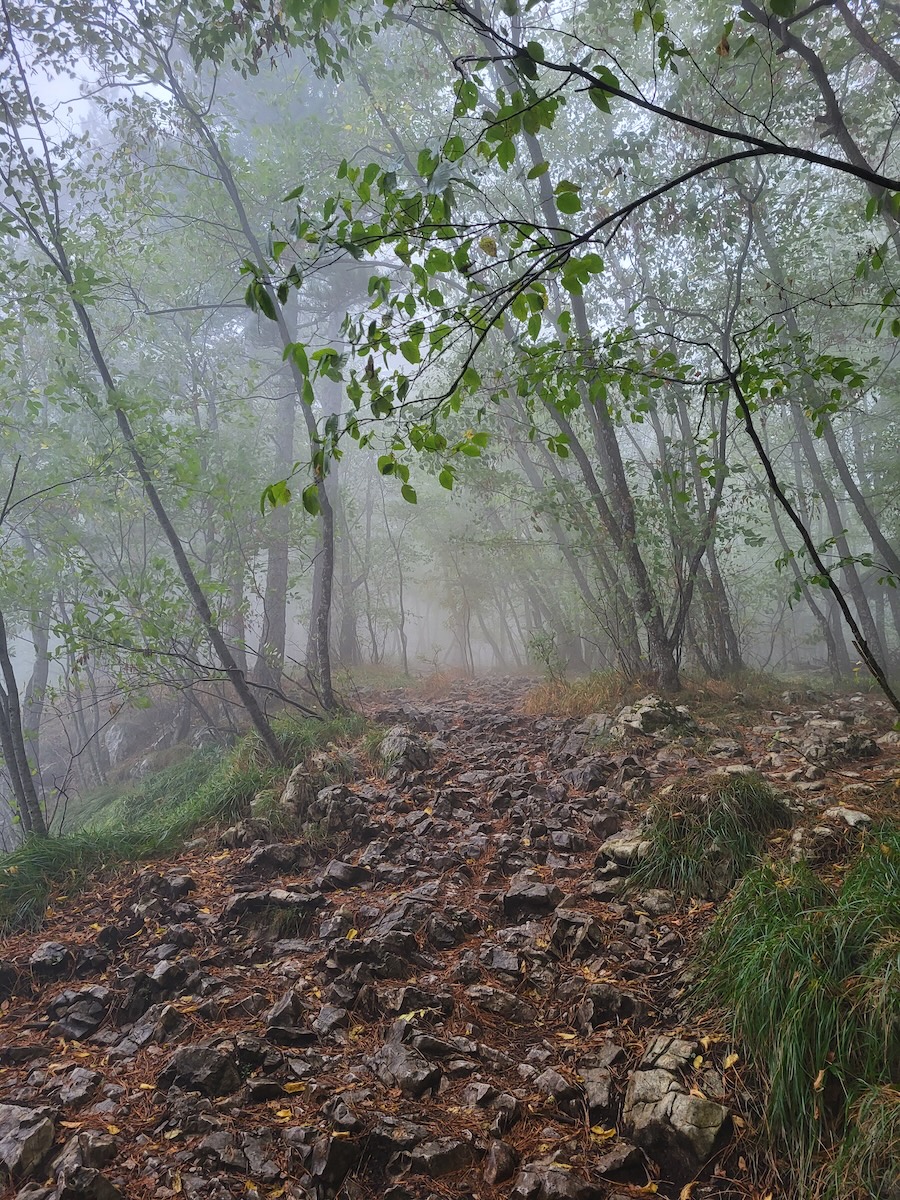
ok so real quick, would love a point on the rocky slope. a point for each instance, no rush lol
(440, 991)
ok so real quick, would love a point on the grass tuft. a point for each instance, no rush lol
(809, 976)
(598, 692)
(704, 833)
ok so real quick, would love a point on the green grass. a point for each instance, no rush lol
(705, 833)
(809, 976)
(158, 815)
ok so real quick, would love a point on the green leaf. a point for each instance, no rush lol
(535, 50)
(410, 351)
(296, 352)
(568, 202)
(454, 148)
(408, 492)
(311, 499)
(783, 8)
(599, 98)
(538, 170)
(445, 479)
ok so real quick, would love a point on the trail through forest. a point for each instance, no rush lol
(449, 986)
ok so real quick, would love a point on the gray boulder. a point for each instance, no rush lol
(404, 750)
(201, 1069)
(661, 1117)
(26, 1135)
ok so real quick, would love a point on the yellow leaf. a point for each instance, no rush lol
(351, 934)
(730, 1060)
(738, 1122)
(698, 1061)
(687, 1191)
(603, 1134)
(284, 1114)
(176, 1182)
(146, 1087)
(296, 1086)
(695, 1091)
(340, 1133)
(567, 1037)
(706, 1042)
(113, 1129)
(429, 811)
(71, 1124)
(171, 1134)
(819, 1081)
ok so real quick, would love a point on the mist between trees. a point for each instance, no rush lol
(425, 336)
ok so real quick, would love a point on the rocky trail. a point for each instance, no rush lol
(441, 990)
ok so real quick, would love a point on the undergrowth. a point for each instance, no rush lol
(704, 833)
(607, 691)
(156, 816)
(597, 692)
(809, 976)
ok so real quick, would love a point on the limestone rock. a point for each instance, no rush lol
(201, 1069)
(26, 1135)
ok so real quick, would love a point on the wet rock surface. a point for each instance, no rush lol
(447, 992)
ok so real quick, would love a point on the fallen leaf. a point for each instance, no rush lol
(171, 1134)
(113, 1129)
(296, 1086)
(730, 1060)
(567, 1037)
(698, 1061)
(603, 1134)
(819, 1081)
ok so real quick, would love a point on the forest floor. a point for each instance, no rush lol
(444, 988)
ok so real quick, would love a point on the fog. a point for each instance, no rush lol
(372, 343)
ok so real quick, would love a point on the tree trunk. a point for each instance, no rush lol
(15, 752)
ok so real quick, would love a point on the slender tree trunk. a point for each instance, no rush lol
(36, 688)
(14, 748)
